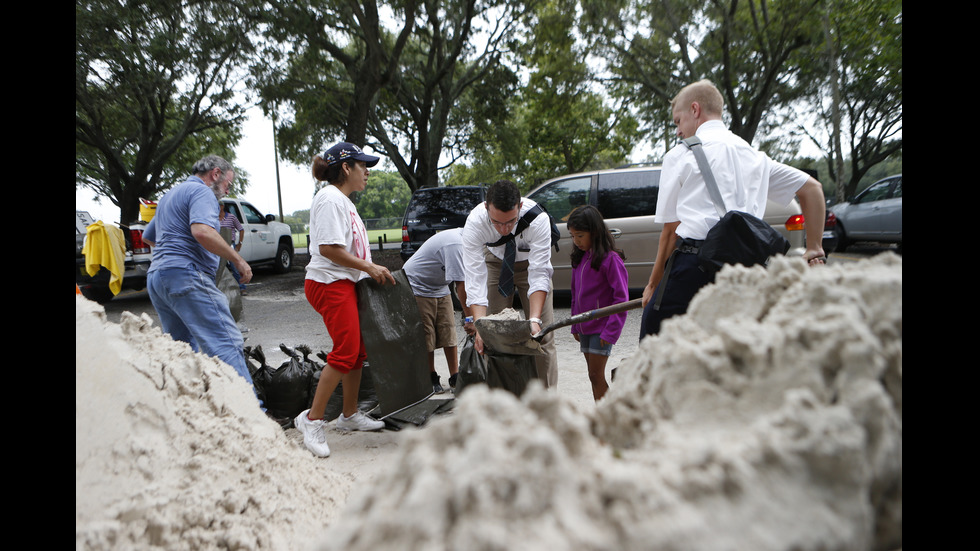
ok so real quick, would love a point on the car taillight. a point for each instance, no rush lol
(139, 247)
(794, 222)
(405, 234)
(831, 221)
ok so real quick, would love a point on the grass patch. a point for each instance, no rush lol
(390, 238)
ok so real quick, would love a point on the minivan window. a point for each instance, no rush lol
(625, 194)
(559, 198)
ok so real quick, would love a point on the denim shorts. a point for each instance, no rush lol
(592, 344)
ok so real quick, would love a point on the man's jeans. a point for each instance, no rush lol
(193, 310)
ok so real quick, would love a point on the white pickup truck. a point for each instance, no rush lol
(266, 243)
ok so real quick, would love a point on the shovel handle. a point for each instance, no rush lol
(591, 314)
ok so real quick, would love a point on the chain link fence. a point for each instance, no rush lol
(382, 223)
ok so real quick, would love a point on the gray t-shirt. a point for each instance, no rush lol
(437, 263)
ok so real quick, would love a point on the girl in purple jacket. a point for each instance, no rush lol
(598, 279)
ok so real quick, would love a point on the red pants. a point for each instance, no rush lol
(337, 303)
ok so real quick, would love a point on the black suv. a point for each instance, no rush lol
(435, 209)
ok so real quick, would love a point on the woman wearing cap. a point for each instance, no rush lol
(340, 255)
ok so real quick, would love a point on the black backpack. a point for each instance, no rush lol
(525, 221)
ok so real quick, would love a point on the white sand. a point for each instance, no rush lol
(770, 417)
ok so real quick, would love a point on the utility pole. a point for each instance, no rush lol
(275, 149)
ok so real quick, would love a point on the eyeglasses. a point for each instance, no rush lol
(505, 226)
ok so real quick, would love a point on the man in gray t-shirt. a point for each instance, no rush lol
(431, 270)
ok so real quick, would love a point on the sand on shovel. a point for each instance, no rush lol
(768, 418)
(508, 332)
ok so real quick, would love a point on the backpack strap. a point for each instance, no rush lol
(694, 144)
(522, 225)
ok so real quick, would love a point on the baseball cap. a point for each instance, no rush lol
(344, 151)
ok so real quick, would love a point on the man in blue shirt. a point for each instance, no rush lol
(187, 245)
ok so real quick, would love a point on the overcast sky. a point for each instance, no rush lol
(254, 155)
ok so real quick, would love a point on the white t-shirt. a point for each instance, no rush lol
(437, 263)
(334, 221)
(533, 245)
(746, 178)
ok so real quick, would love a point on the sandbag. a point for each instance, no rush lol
(287, 389)
(394, 339)
(472, 366)
(511, 372)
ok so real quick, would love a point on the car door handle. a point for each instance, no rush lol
(616, 232)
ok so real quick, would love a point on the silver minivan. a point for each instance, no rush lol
(627, 199)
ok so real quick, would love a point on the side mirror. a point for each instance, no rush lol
(270, 218)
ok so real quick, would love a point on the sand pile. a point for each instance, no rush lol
(769, 418)
(172, 452)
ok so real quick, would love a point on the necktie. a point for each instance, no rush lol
(506, 283)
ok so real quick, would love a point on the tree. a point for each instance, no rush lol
(327, 60)
(750, 49)
(428, 112)
(157, 86)
(423, 75)
(860, 98)
(386, 196)
(558, 122)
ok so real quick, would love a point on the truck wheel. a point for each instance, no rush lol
(284, 259)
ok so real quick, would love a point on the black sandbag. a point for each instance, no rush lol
(472, 366)
(261, 374)
(511, 372)
(287, 389)
(394, 339)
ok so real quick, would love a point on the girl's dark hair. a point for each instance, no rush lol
(588, 219)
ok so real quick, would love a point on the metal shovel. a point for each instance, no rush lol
(513, 336)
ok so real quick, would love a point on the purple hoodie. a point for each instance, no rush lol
(593, 289)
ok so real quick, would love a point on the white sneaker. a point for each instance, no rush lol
(314, 434)
(358, 421)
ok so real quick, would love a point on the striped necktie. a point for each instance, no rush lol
(506, 283)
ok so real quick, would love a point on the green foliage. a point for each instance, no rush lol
(155, 90)
(386, 196)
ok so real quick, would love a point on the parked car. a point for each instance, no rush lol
(875, 214)
(829, 235)
(627, 199)
(266, 242)
(436, 209)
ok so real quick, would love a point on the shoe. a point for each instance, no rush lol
(244, 292)
(436, 386)
(358, 421)
(452, 380)
(314, 434)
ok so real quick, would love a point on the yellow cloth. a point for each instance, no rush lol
(105, 246)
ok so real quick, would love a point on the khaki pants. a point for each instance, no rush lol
(546, 364)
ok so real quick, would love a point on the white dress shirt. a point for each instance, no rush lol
(533, 245)
(746, 178)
